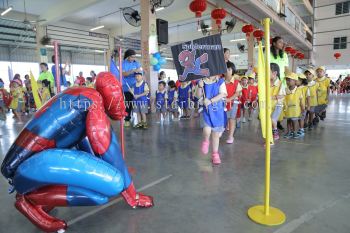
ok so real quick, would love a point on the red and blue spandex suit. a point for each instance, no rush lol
(68, 155)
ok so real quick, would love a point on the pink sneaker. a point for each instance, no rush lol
(205, 147)
(230, 140)
(276, 136)
(216, 158)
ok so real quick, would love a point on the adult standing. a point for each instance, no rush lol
(279, 57)
(130, 67)
(227, 54)
(63, 73)
(46, 75)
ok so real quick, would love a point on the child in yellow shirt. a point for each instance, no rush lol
(45, 91)
(323, 93)
(293, 105)
(17, 102)
(302, 86)
(277, 98)
(313, 89)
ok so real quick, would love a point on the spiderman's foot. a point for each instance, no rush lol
(135, 199)
(38, 216)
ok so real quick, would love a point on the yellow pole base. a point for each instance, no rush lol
(257, 214)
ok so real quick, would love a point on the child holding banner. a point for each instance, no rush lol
(213, 90)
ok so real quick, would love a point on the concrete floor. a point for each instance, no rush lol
(310, 182)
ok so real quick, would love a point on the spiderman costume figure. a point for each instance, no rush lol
(68, 155)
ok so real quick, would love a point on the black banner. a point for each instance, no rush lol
(199, 58)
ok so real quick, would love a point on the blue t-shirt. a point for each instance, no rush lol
(130, 79)
(63, 80)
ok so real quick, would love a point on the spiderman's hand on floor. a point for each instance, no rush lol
(135, 199)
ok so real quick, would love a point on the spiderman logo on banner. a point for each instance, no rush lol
(192, 64)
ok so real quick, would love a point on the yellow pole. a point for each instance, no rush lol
(266, 23)
(264, 214)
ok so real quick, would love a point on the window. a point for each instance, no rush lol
(340, 42)
(342, 8)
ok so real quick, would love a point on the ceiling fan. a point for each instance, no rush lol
(29, 24)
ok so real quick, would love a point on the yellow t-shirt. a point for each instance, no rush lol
(45, 95)
(17, 96)
(293, 101)
(322, 93)
(277, 90)
(305, 93)
(313, 87)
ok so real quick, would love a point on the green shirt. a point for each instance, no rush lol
(282, 63)
(48, 76)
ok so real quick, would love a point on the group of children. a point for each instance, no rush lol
(19, 99)
(302, 101)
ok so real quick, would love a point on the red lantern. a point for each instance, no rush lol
(218, 14)
(247, 29)
(293, 52)
(258, 34)
(337, 55)
(198, 6)
(288, 49)
(301, 56)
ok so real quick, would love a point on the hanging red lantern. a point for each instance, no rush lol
(301, 56)
(293, 52)
(247, 29)
(288, 49)
(297, 54)
(198, 7)
(258, 34)
(337, 55)
(218, 14)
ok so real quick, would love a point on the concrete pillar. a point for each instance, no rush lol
(149, 44)
(41, 50)
(111, 44)
(250, 42)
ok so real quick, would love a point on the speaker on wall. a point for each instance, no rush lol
(162, 31)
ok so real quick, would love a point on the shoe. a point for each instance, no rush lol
(250, 119)
(297, 135)
(279, 126)
(230, 140)
(244, 120)
(288, 135)
(238, 125)
(275, 134)
(301, 131)
(183, 117)
(144, 125)
(205, 147)
(310, 127)
(216, 158)
(138, 126)
(127, 124)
